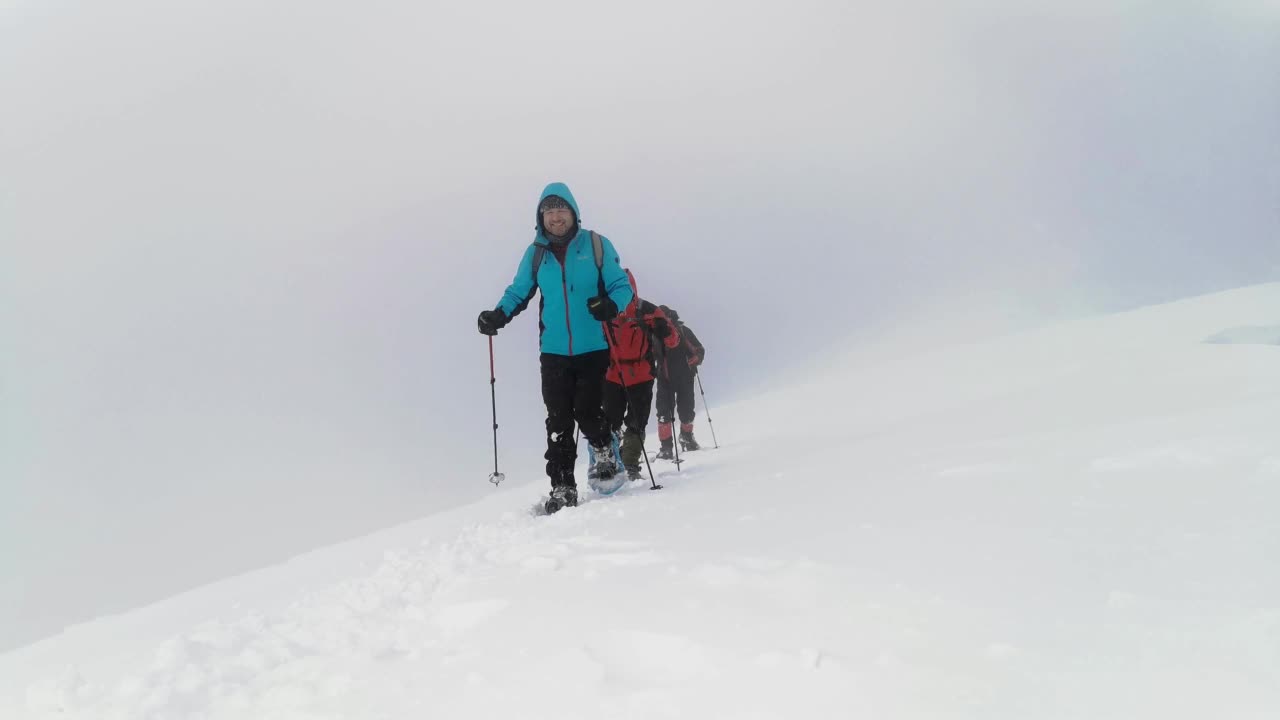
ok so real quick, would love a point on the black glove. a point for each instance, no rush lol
(602, 308)
(661, 328)
(490, 321)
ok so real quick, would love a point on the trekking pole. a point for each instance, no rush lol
(496, 478)
(675, 415)
(626, 391)
(706, 409)
(675, 441)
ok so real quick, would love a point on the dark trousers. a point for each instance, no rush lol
(572, 389)
(631, 404)
(675, 393)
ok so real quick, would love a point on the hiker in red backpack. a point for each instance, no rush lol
(675, 387)
(628, 388)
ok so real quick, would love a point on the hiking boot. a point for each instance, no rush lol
(561, 496)
(632, 447)
(666, 452)
(606, 464)
(593, 473)
(687, 443)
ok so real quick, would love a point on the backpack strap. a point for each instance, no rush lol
(597, 247)
(538, 252)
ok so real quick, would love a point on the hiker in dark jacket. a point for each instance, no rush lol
(675, 387)
(582, 283)
(628, 390)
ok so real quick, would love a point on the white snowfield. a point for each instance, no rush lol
(1078, 522)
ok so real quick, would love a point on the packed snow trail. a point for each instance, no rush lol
(1072, 523)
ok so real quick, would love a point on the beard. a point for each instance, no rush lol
(570, 230)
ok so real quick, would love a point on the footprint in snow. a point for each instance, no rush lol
(540, 564)
(634, 559)
(651, 655)
(461, 617)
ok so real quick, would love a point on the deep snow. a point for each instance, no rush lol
(1076, 522)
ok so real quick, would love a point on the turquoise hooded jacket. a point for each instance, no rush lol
(565, 325)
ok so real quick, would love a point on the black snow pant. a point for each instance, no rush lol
(675, 391)
(631, 404)
(572, 389)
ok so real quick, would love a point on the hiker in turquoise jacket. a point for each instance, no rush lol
(583, 285)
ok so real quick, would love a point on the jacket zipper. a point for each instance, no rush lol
(564, 285)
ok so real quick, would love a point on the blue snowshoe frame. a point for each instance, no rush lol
(613, 484)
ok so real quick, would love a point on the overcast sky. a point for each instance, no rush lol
(243, 243)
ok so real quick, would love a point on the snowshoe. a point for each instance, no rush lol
(607, 462)
(594, 473)
(561, 497)
(605, 476)
(609, 485)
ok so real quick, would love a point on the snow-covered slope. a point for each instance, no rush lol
(1079, 522)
